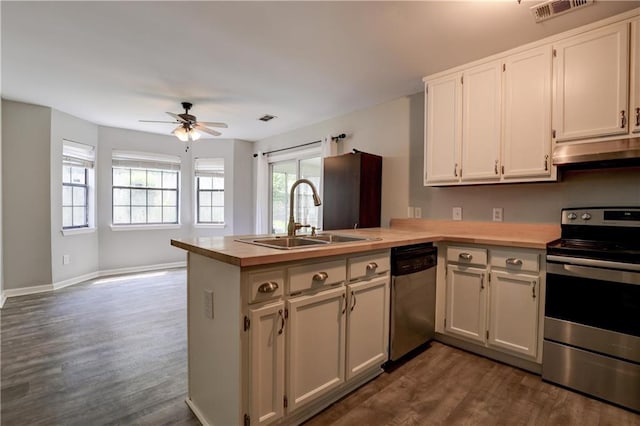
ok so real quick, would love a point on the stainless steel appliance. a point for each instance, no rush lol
(592, 309)
(413, 297)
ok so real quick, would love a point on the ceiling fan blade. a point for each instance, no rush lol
(202, 128)
(177, 117)
(154, 121)
(213, 124)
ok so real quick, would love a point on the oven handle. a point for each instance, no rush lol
(590, 273)
(594, 262)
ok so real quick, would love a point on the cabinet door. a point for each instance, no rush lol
(443, 129)
(316, 351)
(591, 84)
(466, 302)
(367, 325)
(513, 315)
(635, 77)
(267, 363)
(481, 88)
(527, 114)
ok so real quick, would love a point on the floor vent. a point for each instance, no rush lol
(552, 8)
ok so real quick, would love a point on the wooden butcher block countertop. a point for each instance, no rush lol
(402, 232)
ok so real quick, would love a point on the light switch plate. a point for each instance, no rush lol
(411, 211)
(457, 213)
(66, 259)
(208, 303)
(417, 212)
(497, 214)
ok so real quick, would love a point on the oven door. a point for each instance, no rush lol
(592, 330)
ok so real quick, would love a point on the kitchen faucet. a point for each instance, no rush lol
(293, 225)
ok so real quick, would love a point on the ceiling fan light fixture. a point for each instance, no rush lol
(181, 133)
(194, 134)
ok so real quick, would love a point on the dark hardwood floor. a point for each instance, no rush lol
(113, 352)
(109, 351)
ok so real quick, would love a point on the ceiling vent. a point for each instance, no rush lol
(267, 117)
(552, 8)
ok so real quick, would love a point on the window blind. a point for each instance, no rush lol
(144, 160)
(213, 167)
(78, 154)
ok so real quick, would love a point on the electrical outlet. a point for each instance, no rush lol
(417, 212)
(66, 259)
(411, 211)
(497, 214)
(208, 303)
(457, 213)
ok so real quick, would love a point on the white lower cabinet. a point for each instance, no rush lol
(466, 302)
(513, 313)
(367, 325)
(316, 348)
(494, 300)
(267, 345)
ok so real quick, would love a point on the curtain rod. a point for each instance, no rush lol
(333, 138)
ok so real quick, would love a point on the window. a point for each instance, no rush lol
(77, 179)
(209, 174)
(145, 188)
(283, 175)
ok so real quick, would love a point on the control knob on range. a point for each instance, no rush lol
(572, 216)
(585, 216)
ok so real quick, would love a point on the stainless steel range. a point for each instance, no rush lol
(592, 309)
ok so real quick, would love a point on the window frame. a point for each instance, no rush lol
(209, 167)
(198, 206)
(145, 188)
(72, 185)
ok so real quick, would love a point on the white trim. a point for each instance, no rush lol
(77, 231)
(3, 299)
(210, 225)
(75, 280)
(134, 269)
(196, 412)
(14, 292)
(144, 227)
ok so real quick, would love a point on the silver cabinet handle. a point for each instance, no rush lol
(353, 296)
(465, 256)
(623, 120)
(533, 289)
(372, 266)
(514, 262)
(268, 287)
(320, 276)
(282, 321)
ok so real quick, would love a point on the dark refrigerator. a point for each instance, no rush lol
(352, 191)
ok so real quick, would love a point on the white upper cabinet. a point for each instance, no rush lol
(591, 75)
(634, 115)
(481, 122)
(526, 114)
(443, 129)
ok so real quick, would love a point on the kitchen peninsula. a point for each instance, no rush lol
(278, 335)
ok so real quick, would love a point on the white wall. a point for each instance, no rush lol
(26, 212)
(382, 130)
(243, 178)
(82, 248)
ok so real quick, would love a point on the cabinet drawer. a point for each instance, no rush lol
(266, 285)
(368, 266)
(467, 255)
(515, 261)
(316, 275)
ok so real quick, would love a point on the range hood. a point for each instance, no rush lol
(612, 153)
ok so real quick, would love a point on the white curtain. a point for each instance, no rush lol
(262, 194)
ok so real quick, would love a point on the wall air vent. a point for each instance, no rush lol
(552, 8)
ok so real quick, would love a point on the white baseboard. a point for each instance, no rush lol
(13, 292)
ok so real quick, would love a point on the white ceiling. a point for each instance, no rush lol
(113, 63)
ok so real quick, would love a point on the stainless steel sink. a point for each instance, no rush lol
(304, 241)
(335, 238)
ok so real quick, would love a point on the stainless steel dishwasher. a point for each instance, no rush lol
(413, 298)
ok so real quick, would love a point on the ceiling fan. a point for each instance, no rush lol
(189, 127)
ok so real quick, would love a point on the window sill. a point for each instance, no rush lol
(144, 227)
(210, 225)
(77, 231)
